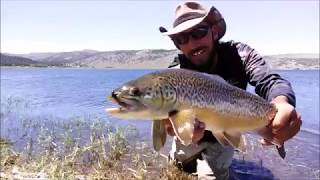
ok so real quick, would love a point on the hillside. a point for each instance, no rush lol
(294, 61)
(8, 60)
(156, 58)
(151, 58)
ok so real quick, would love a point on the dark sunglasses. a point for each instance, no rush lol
(197, 33)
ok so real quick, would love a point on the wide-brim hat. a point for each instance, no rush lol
(189, 14)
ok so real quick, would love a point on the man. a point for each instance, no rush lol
(196, 32)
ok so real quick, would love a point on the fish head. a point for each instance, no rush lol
(148, 96)
(128, 98)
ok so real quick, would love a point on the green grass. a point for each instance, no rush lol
(79, 147)
(89, 147)
(103, 157)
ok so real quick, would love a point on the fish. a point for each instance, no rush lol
(182, 96)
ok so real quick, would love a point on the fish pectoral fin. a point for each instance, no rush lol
(235, 139)
(118, 113)
(159, 134)
(183, 125)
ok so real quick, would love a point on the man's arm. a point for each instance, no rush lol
(267, 84)
(274, 88)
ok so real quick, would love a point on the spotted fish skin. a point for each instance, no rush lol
(226, 110)
(184, 88)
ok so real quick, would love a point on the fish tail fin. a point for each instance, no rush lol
(280, 147)
(267, 135)
(281, 151)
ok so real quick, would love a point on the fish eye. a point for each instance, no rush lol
(134, 91)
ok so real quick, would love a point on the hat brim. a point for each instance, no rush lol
(184, 26)
(213, 16)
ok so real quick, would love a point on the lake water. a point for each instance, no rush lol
(65, 93)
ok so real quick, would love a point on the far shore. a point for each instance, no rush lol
(141, 68)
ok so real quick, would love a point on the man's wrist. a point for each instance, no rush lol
(280, 99)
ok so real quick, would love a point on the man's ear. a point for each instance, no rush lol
(214, 32)
(177, 46)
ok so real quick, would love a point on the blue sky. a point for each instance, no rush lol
(271, 27)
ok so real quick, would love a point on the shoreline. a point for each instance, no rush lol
(142, 68)
(139, 160)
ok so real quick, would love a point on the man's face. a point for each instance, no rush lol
(196, 43)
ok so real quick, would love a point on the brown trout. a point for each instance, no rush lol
(183, 96)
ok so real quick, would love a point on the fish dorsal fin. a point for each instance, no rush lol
(235, 139)
(216, 77)
(159, 134)
(183, 124)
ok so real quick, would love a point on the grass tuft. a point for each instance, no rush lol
(75, 148)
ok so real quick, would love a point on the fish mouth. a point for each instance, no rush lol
(126, 103)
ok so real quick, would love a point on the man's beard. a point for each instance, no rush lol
(208, 64)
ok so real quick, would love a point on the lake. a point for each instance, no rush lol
(61, 93)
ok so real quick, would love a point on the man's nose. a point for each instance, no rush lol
(192, 43)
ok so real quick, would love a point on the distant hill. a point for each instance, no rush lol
(8, 60)
(297, 55)
(151, 58)
(59, 58)
(294, 61)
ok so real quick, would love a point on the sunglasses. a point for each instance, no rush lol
(197, 33)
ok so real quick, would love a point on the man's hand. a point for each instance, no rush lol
(286, 123)
(198, 132)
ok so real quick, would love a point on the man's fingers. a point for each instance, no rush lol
(294, 127)
(168, 127)
(265, 142)
(286, 133)
(291, 130)
(198, 126)
(285, 114)
(277, 123)
(198, 131)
